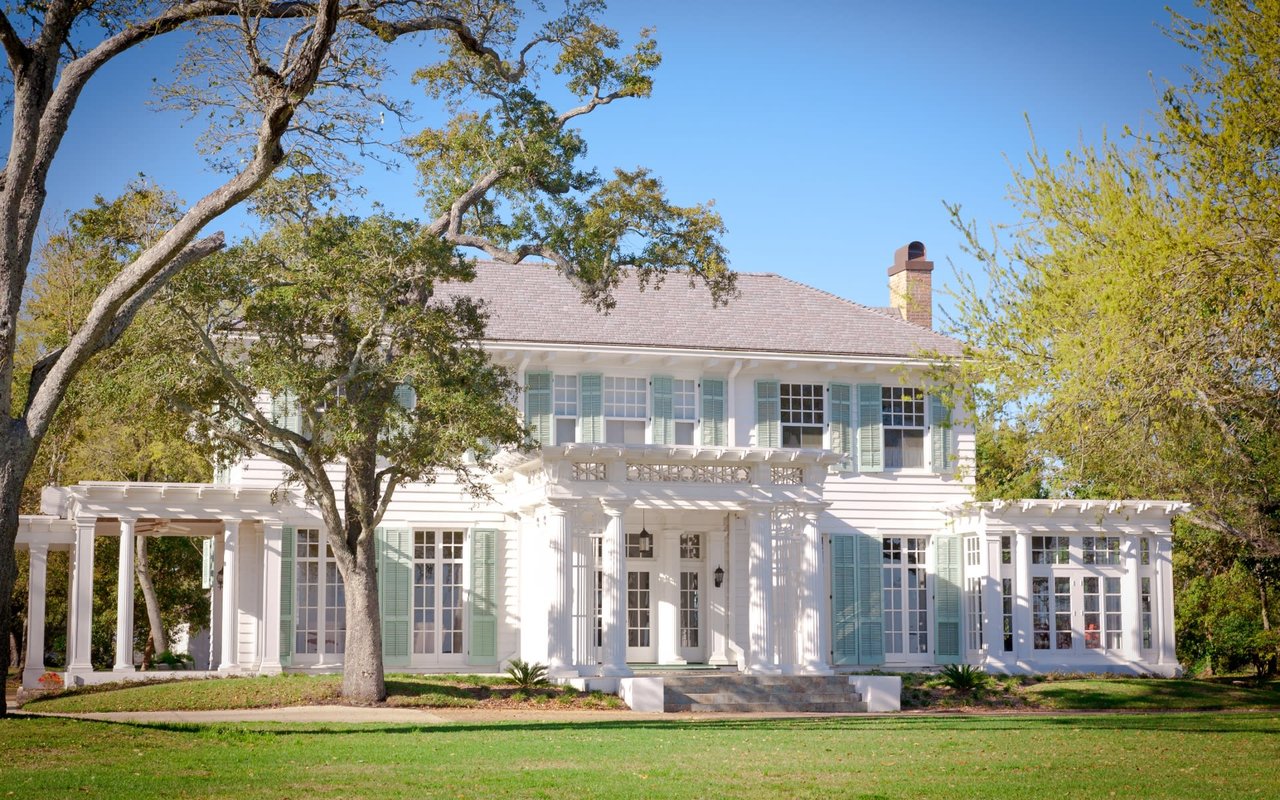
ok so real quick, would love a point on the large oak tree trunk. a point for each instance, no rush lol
(15, 462)
(159, 642)
(363, 682)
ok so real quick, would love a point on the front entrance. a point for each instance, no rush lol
(438, 608)
(640, 638)
(905, 591)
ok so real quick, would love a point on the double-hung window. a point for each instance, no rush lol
(684, 409)
(802, 406)
(902, 414)
(565, 408)
(626, 406)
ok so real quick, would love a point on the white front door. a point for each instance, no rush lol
(689, 583)
(905, 586)
(640, 639)
(439, 565)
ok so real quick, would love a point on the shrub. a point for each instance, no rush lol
(527, 676)
(963, 678)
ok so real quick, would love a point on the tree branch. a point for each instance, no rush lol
(16, 49)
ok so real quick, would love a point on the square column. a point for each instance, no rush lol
(1130, 605)
(1162, 602)
(718, 596)
(272, 551)
(124, 598)
(1023, 634)
(669, 598)
(760, 650)
(613, 601)
(560, 610)
(810, 638)
(81, 617)
(230, 606)
(37, 580)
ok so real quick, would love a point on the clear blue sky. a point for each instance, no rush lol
(828, 133)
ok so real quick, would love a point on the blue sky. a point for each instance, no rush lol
(828, 133)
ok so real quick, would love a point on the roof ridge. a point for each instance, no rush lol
(865, 307)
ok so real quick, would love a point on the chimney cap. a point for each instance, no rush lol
(911, 256)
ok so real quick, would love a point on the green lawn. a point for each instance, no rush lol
(1031, 756)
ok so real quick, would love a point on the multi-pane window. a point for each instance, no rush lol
(973, 610)
(639, 546)
(1100, 550)
(626, 405)
(905, 595)
(637, 609)
(1006, 549)
(1006, 612)
(437, 592)
(1051, 613)
(320, 619)
(1145, 610)
(972, 551)
(684, 409)
(801, 406)
(902, 414)
(688, 609)
(565, 408)
(1050, 550)
(1101, 613)
(1144, 551)
(691, 545)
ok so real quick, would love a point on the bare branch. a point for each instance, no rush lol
(17, 50)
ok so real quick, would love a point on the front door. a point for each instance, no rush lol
(640, 639)
(689, 579)
(438, 609)
(905, 587)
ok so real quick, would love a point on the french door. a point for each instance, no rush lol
(641, 646)
(438, 598)
(905, 588)
(320, 617)
(688, 580)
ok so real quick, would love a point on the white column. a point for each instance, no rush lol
(230, 617)
(37, 579)
(760, 650)
(717, 606)
(81, 598)
(1162, 601)
(124, 597)
(1020, 543)
(560, 610)
(272, 544)
(1130, 605)
(669, 598)
(613, 603)
(992, 601)
(809, 625)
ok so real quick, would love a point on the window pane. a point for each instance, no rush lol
(626, 397)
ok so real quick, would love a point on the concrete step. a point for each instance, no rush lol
(785, 708)
(749, 693)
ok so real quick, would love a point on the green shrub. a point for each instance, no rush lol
(527, 676)
(963, 678)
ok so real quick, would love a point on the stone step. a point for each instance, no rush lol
(786, 708)
(830, 694)
(761, 697)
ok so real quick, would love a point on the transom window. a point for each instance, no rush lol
(684, 409)
(1050, 550)
(1100, 550)
(691, 545)
(902, 415)
(802, 406)
(626, 406)
(639, 546)
(565, 408)
(972, 551)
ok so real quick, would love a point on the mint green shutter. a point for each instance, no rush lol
(870, 602)
(768, 426)
(591, 407)
(285, 411)
(940, 436)
(395, 591)
(842, 421)
(537, 406)
(713, 427)
(946, 599)
(484, 597)
(287, 551)
(870, 429)
(844, 601)
(664, 425)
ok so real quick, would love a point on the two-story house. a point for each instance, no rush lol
(773, 487)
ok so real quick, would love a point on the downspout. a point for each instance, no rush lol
(731, 404)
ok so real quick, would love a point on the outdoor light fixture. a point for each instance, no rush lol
(646, 538)
(719, 573)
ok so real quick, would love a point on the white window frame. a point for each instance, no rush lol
(330, 618)
(566, 399)
(684, 408)
(625, 399)
(901, 408)
(461, 561)
(806, 405)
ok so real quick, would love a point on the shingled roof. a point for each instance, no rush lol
(533, 303)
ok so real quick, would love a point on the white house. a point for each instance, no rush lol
(771, 487)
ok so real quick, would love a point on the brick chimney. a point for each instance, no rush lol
(911, 285)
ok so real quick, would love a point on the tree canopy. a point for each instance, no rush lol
(1128, 322)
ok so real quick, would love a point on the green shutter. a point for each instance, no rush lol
(946, 599)
(870, 429)
(768, 426)
(940, 435)
(395, 589)
(287, 551)
(870, 603)
(664, 425)
(714, 433)
(591, 407)
(844, 601)
(286, 412)
(537, 406)
(842, 421)
(484, 597)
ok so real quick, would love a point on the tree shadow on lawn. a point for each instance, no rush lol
(1186, 722)
(1156, 695)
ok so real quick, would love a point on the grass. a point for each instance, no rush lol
(417, 691)
(1031, 756)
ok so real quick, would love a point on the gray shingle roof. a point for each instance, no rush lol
(533, 303)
